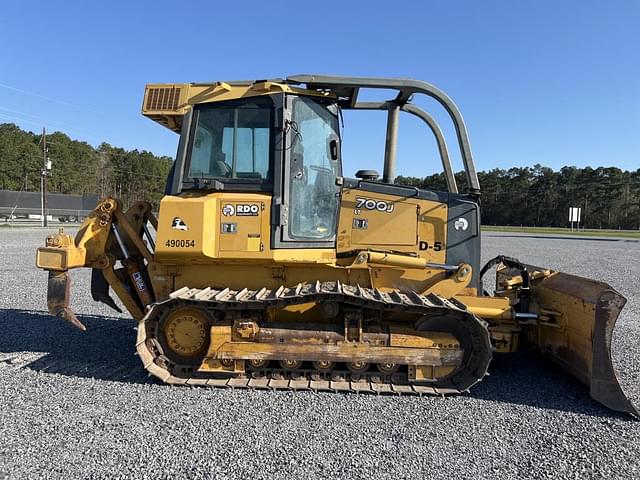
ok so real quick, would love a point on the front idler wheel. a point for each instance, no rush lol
(473, 336)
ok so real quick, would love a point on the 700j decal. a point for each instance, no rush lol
(371, 204)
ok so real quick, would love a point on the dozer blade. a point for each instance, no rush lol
(575, 329)
(58, 293)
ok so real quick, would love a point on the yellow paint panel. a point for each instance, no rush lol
(51, 258)
(368, 218)
(186, 227)
(432, 230)
(203, 218)
(253, 244)
(245, 217)
(167, 103)
(396, 228)
(407, 224)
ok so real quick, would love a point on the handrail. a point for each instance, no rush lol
(435, 128)
(406, 88)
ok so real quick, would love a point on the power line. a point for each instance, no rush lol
(13, 118)
(44, 97)
(82, 132)
(57, 122)
(134, 175)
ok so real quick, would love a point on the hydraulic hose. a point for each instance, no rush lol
(525, 291)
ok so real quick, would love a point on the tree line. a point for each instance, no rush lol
(529, 196)
(539, 196)
(78, 168)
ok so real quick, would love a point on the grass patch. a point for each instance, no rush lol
(565, 231)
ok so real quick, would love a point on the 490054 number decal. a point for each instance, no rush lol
(180, 243)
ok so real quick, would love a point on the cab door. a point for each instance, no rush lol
(310, 194)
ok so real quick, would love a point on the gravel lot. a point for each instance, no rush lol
(76, 405)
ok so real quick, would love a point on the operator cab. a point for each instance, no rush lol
(285, 145)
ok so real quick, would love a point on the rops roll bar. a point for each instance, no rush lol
(346, 89)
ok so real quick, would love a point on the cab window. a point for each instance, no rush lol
(231, 143)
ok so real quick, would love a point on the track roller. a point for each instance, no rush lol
(291, 364)
(357, 367)
(387, 368)
(257, 364)
(323, 366)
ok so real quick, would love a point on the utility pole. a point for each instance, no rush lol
(46, 167)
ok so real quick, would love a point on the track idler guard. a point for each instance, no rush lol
(58, 294)
(577, 318)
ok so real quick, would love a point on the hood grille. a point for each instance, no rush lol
(162, 98)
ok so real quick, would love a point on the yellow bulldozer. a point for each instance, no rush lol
(268, 268)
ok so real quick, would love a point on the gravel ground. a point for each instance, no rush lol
(76, 405)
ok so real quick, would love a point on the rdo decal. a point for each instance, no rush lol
(247, 210)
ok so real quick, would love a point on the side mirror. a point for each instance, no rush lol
(333, 149)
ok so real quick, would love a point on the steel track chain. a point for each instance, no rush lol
(156, 364)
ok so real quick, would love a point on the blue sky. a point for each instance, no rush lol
(544, 82)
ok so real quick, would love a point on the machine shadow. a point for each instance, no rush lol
(104, 352)
(527, 378)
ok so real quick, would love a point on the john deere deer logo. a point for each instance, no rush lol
(178, 224)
